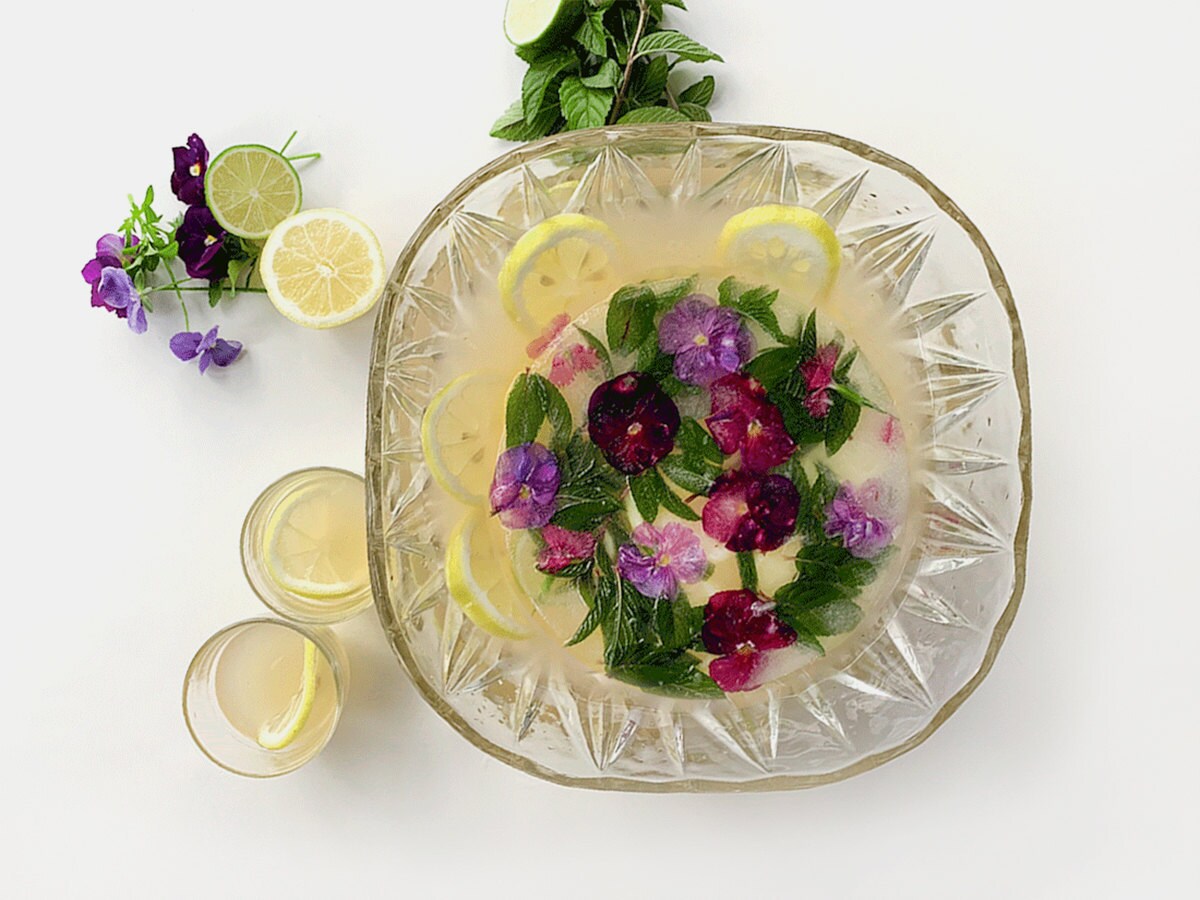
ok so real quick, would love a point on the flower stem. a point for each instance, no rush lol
(303, 156)
(643, 14)
(288, 142)
(187, 325)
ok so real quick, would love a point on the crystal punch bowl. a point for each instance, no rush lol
(934, 625)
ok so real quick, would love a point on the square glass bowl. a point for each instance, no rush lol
(910, 664)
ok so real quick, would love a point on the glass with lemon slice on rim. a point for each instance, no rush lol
(262, 697)
(304, 546)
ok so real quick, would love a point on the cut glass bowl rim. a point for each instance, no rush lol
(592, 139)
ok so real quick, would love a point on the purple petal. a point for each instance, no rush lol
(224, 352)
(116, 288)
(644, 573)
(207, 341)
(205, 361)
(91, 271)
(646, 535)
(680, 327)
(682, 546)
(110, 247)
(137, 318)
(186, 345)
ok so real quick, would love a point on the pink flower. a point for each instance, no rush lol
(572, 361)
(740, 626)
(660, 560)
(747, 511)
(743, 419)
(564, 548)
(818, 379)
(538, 345)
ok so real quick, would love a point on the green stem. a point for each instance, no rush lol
(187, 325)
(303, 156)
(288, 142)
(643, 14)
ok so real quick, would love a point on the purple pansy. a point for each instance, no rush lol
(191, 161)
(659, 560)
(116, 292)
(564, 548)
(707, 340)
(744, 420)
(212, 350)
(817, 373)
(633, 422)
(740, 627)
(748, 511)
(863, 519)
(202, 245)
(525, 485)
(110, 253)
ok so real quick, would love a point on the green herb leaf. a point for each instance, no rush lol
(842, 372)
(608, 76)
(692, 480)
(630, 317)
(808, 336)
(772, 366)
(524, 412)
(651, 80)
(748, 571)
(700, 93)
(602, 351)
(754, 303)
(697, 444)
(840, 423)
(540, 76)
(558, 413)
(679, 679)
(695, 112)
(214, 293)
(647, 490)
(584, 515)
(673, 504)
(681, 45)
(584, 107)
(512, 126)
(592, 35)
(651, 114)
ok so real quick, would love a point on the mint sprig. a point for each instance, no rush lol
(613, 66)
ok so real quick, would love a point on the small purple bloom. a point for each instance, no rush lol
(202, 245)
(212, 350)
(524, 487)
(110, 252)
(707, 340)
(658, 561)
(864, 519)
(116, 292)
(191, 162)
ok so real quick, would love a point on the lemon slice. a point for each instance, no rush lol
(322, 268)
(789, 244)
(276, 733)
(460, 431)
(315, 540)
(479, 578)
(251, 189)
(562, 265)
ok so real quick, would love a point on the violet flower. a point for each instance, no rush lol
(863, 519)
(116, 292)
(212, 350)
(110, 253)
(524, 487)
(707, 340)
(202, 245)
(744, 420)
(564, 548)
(740, 627)
(817, 373)
(659, 560)
(748, 511)
(633, 422)
(191, 162)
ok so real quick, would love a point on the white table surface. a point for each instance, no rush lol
(1067, 132)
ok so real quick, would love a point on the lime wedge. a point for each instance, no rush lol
(531, 22)
(276, 733)
(251, 189)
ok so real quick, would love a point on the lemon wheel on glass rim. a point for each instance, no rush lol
(789, 245)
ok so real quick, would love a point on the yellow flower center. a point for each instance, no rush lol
(664, 560)
(194, 170)
(209, 240)
(700, 340)
(634, 429)
(525, 492)
(754, 429)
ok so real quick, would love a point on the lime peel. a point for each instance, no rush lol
(250, 188)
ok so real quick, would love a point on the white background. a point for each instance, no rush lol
(1066, 131)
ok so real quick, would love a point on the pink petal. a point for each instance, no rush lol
(738, 671)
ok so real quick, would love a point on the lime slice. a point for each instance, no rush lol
(460, 431)
(251, 189)
(276, 733)
(479, 578)
(788, 244)
(562, 265)
(532, 22)
(315, 541)
(322, 268)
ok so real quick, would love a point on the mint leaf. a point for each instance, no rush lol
(672, 503)
(677, 624)
(584, 107)
(695, 112)
(512, 125)
(748, 571)
(697, 444)
(555, 407)
(754, 303)
(840, 423)
(630, 317)
(583, 515)
(678, 679)
(523, 413)
(842, 372)
(773, 366)
(808, 336)
(609, 76)
(538, 79)
(679, 44)
(647, 490)
(700, 93)
(834, 617)
(592, 35)
(651, 80)
(651, 114)
(692, 480)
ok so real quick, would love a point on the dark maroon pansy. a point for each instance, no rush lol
(740, 627)
(748, 511)
(744, 420)
(202, 245)
(633, 422)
